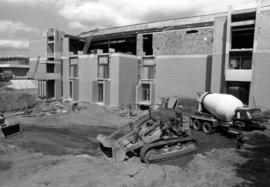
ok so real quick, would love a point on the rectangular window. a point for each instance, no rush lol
(148, 72)
(244, 16)
(71, 89)
(240, 60)
(148, 44)
(50, 68)
(103, 71)
(50, 88)
(242, 37)
(103, 67)
(73, 71)
(100, 92)
(146, 92)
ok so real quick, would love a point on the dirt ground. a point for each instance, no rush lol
(61, 150)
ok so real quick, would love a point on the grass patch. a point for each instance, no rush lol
(14, 101)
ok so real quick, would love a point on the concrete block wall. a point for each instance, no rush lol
(58, 67)
(58, 44)
(260, 85)
(122, 82)
(33, 63)
(42, 66)
(182, 75)
(128, 72)
(87, 71)
(180, 42)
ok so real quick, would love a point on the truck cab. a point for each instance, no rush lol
(248, 119)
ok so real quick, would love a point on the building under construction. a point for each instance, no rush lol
(224, 52)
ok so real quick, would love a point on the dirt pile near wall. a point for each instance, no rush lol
(13, 101)
(89, 115)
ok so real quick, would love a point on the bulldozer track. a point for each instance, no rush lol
(148, 158)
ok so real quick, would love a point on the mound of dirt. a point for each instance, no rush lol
(90, 115)
(13, 101)
(33, 170)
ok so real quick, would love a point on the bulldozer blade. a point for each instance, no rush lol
(11, 130)
(105, 145)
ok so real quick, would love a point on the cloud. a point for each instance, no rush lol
(9, 29)
(77, 25)
(14, 37)
(108, 13)
(14, 44)
(31, 2)
(13, 47)
(86, 14)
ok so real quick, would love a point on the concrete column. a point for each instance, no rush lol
(139, 45)
(58, 89)
(218, 58)
(65, 46)
(65, 77)
(114, 78)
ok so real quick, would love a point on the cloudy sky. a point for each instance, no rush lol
(25, 20)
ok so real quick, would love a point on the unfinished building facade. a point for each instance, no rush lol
(223, 52)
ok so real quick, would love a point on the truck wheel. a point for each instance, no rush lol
(196, 124)
(207, 128)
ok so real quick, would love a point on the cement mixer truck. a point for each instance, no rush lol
(225, 111)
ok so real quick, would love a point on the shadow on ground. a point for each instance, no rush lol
(4, 165)
(206, 143)
(74, 139)
(256, 171)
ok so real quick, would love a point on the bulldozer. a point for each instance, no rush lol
(8, 129)
(159, 135)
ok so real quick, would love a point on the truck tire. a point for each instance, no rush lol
(196, 124)
(207, 128)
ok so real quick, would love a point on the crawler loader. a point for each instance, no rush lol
(153, 137)
(8, 129)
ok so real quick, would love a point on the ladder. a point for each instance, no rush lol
(89, 39)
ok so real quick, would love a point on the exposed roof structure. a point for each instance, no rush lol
(13, 58)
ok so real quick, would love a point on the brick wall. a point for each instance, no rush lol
(180, 42)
